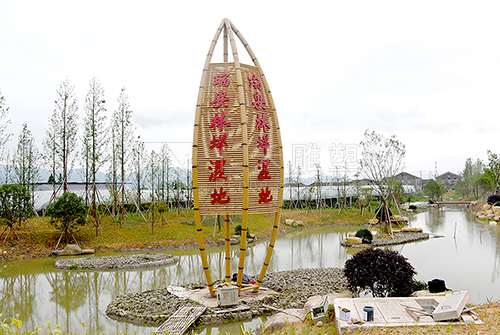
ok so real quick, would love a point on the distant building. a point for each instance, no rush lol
(448, 179)
(408, 179)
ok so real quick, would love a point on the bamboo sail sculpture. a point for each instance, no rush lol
(237, 151)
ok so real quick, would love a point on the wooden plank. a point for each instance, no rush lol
(181, 320)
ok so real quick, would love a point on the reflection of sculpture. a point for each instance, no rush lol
(237, 152)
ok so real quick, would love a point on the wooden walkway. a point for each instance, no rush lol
(180, 321)
(452, 203)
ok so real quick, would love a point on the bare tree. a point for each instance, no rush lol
(290, 183)
(64, 128)
(319, 186)
(26, 162)
(381, 160)
(95, 135)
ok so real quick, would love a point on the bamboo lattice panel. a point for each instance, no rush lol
(225, 122)
(180, 321)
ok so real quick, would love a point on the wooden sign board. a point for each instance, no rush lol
(220, 143)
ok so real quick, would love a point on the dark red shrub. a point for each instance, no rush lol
(381, 272)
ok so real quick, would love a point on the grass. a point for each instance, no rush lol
(38, 237)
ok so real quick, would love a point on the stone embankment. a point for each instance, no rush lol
(294, 287)
(399, 237)
(489, 212)
(117, 262)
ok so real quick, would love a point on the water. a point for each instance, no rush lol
(39, 292)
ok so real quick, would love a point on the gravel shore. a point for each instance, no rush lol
(294, 287)
(117, 262)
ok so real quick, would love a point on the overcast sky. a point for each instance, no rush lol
(426, 71)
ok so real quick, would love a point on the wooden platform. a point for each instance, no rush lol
(179, 322)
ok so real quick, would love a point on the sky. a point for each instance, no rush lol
(425, 71)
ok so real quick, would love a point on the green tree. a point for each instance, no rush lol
(95, 140)
(434, 189)
(14, 206)
(494, 169)
(467, 179)
(4, 136)
(67, 213)
(63, 130)
(26, 162)
(122, 125)
(485, 183)
(381, 160)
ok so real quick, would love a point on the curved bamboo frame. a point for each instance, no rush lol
(227, 27)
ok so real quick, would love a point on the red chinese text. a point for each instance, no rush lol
(264, 169)
(265, 195)
(218, 121)
(222, 79)
(220, 99)
(218, 170)
(255, 82)
(218, 142)
(261, 123)
(219, 197)
(262, 142)
(258, 102)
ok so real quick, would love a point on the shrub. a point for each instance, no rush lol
(412, 207)
(365, 235)
(381, 272)
(493, 199)
(67, 213)
(237, 229)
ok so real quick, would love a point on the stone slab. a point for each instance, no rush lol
(393, 312)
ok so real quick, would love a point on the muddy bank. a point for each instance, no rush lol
(294, 287)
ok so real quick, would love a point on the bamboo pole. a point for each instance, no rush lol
(197, 216)
(244, 135)
(280, 196)
(228, 252)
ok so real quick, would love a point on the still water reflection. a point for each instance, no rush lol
(466, 257)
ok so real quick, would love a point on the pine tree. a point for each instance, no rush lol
(4, 136)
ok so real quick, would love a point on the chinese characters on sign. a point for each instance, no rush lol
(220, 144)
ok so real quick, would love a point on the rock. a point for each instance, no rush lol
(490, 216)
(252, 236)
(278, 321)
(88, 251)
(71, 250)
(300, 223)
(412, 229)
(352, 234)
(233, 241)
(481, 217)
(354, 240)
(319, 299)
(497, 218)
(289, 222)
(489, 211)
(319, 324)
(373, 221)
(486, 207)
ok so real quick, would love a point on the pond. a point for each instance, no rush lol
(466, 257)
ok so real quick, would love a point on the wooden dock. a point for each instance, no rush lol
(179, 322)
